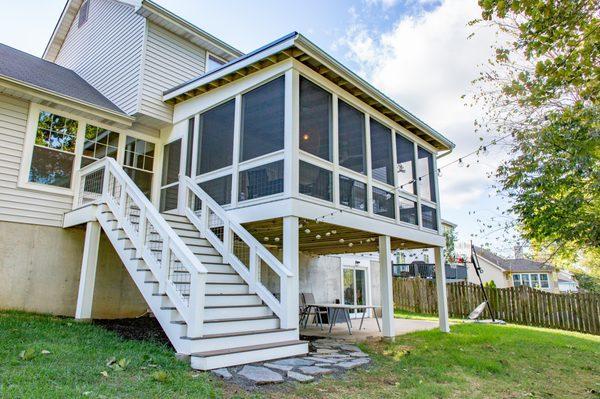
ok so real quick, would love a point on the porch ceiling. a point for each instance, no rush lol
(270, 233)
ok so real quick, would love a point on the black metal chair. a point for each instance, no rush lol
(309, 300)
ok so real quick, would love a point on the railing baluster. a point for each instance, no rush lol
(141, 233)
(165, 261)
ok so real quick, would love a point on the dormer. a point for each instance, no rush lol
(131, 51)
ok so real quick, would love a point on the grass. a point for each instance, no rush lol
(475, 361)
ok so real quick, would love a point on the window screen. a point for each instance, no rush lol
(215, 147)
(408, 211)
(315, 119)
(168, 198)
(190, 147)
(171, 160)
(383, 203)
(429, 216)
(405, 154)
(426, 175)
(381, 153)
(262, 120)
(219, 189)
(351, 138)
(353, 193)
(315, 181)
(261, 181)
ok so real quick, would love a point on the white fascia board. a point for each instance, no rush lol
(227, 69)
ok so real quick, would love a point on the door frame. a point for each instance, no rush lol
(354, 263)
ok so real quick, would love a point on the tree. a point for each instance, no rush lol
(450, 236)
(540, 92)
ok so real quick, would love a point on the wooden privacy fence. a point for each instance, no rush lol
(520, 305)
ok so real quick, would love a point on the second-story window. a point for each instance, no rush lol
(315, 119)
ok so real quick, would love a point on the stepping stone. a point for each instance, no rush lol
(326, 351)
(322, 364)
(312, 370)
(353, 363)
(323, 360)
(223, 373)
(261, 375)
(358, 354)
(278, 366)
(350, 348)
(299, 376)
(294, 362)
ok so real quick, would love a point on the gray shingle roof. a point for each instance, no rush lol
(31, 70)
(513, 265)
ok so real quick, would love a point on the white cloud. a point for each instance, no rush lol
(426, 62)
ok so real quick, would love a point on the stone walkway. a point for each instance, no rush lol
(326, 356)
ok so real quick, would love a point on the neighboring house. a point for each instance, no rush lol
(147, 165)
(567, 282)
(507, 272)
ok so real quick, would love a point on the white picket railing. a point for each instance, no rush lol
(261, 270)
(180, 274)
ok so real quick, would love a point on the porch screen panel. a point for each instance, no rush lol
(189, 150)
(351, 138)
(219, 189)
(315, 119)
(429, 216)
(215, 141)
(170, 175)
(168, 198)
(383, 203)
(353, 193)
(263, 120)
(261, 181)
(408, 211)
(315, 181)
(426, 175)
(381, 153)
(405, 156)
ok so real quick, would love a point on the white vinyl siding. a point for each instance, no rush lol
(169, 61)
(106, 51)
(16, 204)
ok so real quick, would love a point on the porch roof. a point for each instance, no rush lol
(296, 46)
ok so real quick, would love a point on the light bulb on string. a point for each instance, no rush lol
(439, 173)
(460, 162)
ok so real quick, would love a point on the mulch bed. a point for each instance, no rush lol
(144, 328)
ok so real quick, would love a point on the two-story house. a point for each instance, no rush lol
(146, 164)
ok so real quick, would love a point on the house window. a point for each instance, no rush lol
(139, 163)
(83, 13)
(261, 181)
(381, 152)
(544, 281)
(215, 147)
(315, 119)
(219, 189)
(213, 62)
(517, 280)
(533, 280)
(263, 120)
(315, 181)
(54, 150)
(351, 133)
(99, 143)
(429, 216)
(408, 211)
(426, 175)
(353, 193)
(405, 154)
(170, 175)
(383, 203)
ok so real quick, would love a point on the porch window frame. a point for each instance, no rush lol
(29, 143)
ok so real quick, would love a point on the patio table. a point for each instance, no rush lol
(345, 309)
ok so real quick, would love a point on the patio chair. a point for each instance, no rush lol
(303, 310)
(309, 298)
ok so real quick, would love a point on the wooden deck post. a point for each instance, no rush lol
(291, 288)
(89, 263)
(387, 289)
(442, 294)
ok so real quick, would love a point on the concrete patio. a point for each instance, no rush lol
(369, 329)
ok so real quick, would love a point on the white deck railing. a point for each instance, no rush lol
(261, 270)
(180, 274)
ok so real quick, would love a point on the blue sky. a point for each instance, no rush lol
(416, 51)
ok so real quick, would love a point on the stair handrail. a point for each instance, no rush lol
(193, 311)
(250, 273)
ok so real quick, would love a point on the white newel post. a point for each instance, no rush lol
(387, 289)
(442, 296)
(291, 287)
(196, 304)
(89, 263)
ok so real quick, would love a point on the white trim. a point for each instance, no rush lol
(208, 55)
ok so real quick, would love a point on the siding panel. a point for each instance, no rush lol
(169, 61)
(17, 204)
(107, 51)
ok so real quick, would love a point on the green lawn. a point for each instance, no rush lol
(478, 361)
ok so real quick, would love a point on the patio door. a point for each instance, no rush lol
(354, 287)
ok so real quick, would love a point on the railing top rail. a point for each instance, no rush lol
(244, 234)
(151, 213)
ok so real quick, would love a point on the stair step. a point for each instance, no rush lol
(239, 334)
(170, 217)
(241, 349)
(232, 300)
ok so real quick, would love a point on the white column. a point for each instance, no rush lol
(88, 271)
(442, 296)
(387, 289)
(291, 288)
